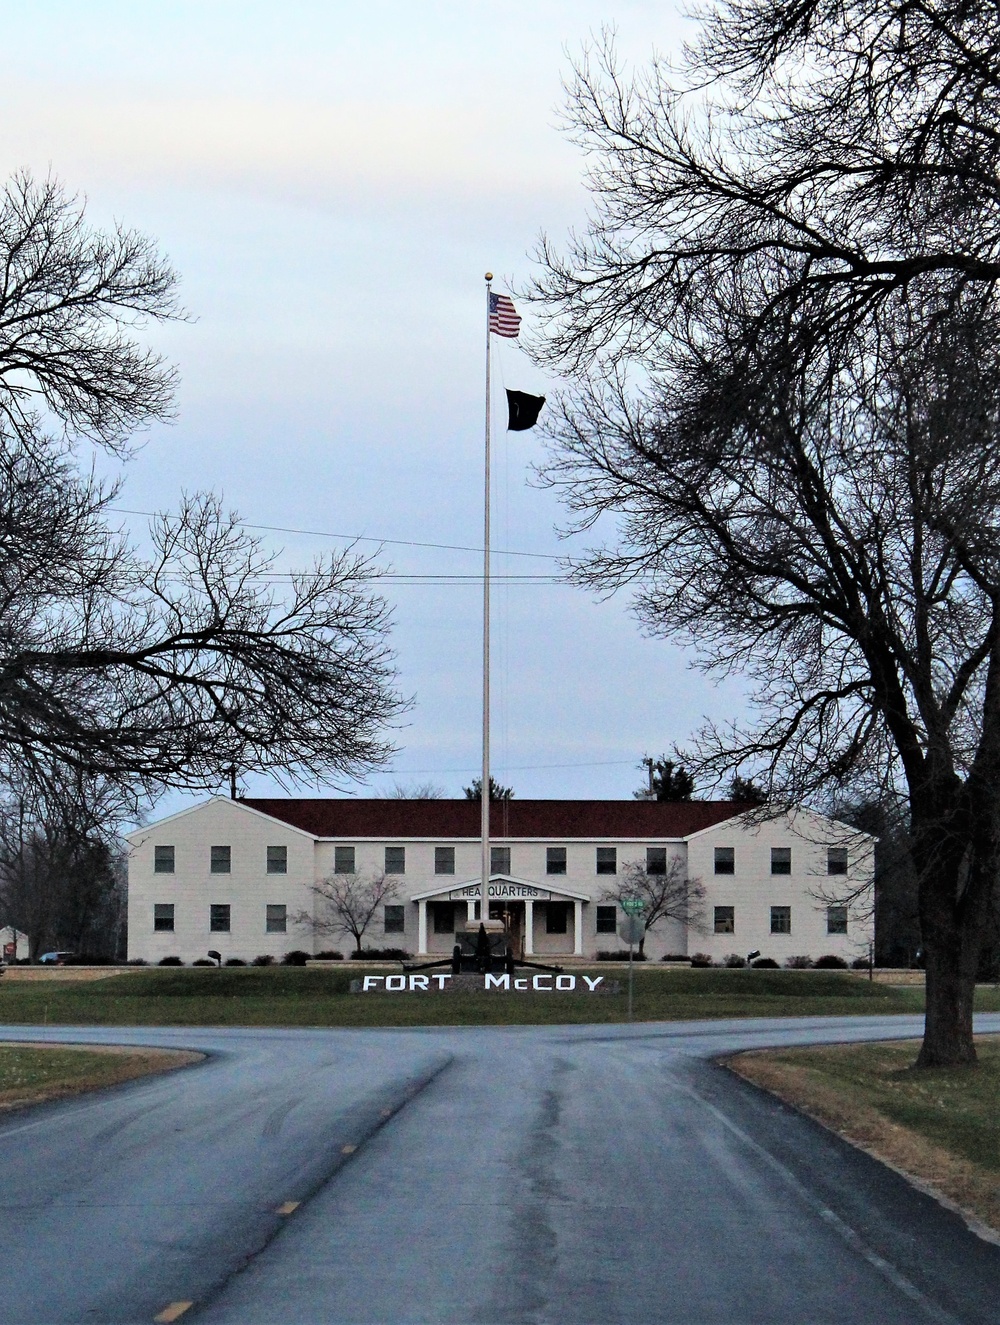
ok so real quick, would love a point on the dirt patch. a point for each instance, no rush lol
(960, 1183)
(33, 973)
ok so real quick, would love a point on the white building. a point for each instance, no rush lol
(15, 945)
(234, 876)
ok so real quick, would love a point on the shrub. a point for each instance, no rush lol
(701, 959)
(801, 963)
(675, 957)
(734, 961)
(265, 959)
(859, 964)
(621, 955)
(830, 962)
(295, 958)
(235, 961)
(328, 955)
(764, 964)
(137, 961)
(170, 961)
(201, 961)
(382, 954)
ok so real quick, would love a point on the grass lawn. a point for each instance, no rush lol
(30, 1074)
(941, 1125)
(291, 996)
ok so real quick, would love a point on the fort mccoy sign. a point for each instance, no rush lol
(441, 983)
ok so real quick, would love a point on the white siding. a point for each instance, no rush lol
(752, 890)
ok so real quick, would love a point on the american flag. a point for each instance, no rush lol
(504, 317)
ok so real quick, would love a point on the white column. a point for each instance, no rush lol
(470, 907)
(422, 927)
(577, 929)
(529, 927)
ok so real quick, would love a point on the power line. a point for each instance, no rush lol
(363, 538)
(517, 768)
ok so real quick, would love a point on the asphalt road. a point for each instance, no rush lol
(557, 1174)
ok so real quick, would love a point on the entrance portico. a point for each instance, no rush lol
(511, 900)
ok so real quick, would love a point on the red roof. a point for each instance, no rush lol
(515, 818)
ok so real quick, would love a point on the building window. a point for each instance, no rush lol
(555, 863)
(836, 919)
(725, 920)
(222, 860)
(725, 860)
(656, 860)
(555, 917)
(395, 860)
(607, 860)
(781, 860)
(277, 860)
(606, 919)
(444, 917)
(277, 919)
(163, 860)
(395, 920)
(500, 860)
(781, 919)
(836, 860)
(444, 860)
(163, 917)
(218, 919)
(343, 860)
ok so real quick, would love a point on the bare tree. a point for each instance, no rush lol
(62, 869)
(782, 333)
(148, 669)
(414, 791)
(348, 904)
(667, 896)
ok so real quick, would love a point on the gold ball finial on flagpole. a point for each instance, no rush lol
(489, 276)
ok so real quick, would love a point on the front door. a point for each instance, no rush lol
(512, 915)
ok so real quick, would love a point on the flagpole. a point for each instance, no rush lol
(484, 904)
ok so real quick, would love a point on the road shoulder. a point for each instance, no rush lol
(961, 1185)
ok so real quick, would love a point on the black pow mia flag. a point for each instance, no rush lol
(522, 410)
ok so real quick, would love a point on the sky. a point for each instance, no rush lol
(332, 181)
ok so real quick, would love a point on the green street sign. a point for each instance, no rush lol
(632, 906)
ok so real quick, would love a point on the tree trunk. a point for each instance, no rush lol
(948, 1038)
(955, 898)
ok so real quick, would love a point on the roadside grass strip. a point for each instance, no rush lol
(291, 996)
(938, 1126)
(31, 1074)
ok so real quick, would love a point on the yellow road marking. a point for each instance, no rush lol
(287, 1207)
(172, 1311)
(348, 1150)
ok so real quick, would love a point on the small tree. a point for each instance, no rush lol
(667, 781)
(348, 904)
(746, 791)
(497, 792)
(668, 896)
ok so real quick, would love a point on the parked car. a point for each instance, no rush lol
(55, 958)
